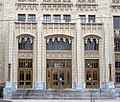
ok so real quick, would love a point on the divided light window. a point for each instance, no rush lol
(67, 18)
(57, 18)
(91, 18)
(31, 17)
(82, 18)
(47, 18)
(116, 22)
(21, 17)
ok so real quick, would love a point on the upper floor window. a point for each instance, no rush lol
(21, 17)
(116, 22)
(91, 44)
(67, 18)
(82, 18)
(31, 17)
(47, 18)
(117, 44)
(91, 18)
(57, 18)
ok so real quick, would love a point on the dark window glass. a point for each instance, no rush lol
(21, 17)
(25, 44)
(91, 18)
(117, 77)
(47, 18)
(91, 45)
(116, 22)
(58, 44)
(117, 44)
(82, 18)
(31, 17)
(67, 18)
(57, 18)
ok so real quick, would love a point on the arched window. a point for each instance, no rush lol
(58, 44)
(91, 44)
(25, 43)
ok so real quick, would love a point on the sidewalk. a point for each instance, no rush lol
(44, 100)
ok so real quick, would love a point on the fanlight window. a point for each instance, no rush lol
(59, 44)
(91, 44)
(25, 43)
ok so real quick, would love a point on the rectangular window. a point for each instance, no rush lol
(82, 18)
(31, 17)
(47, 18)
(57, 18)
(116, 22)
(91, 18)
(67, 18)
(117, 77)
(21, 17)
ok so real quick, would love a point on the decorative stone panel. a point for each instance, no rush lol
(87, 28)
(91, 54)
(24, 54)
(117, 57)
(86, 7)
(67, 28)
(59, 54)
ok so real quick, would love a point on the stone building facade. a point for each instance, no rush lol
(45, 43)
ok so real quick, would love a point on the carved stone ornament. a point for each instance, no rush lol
(91, 54)
(25, 55)
(57, 7)
(115, 8)
(57, 55)
(117, 57)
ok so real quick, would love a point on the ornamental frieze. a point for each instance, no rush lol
(57, 7)
(26, 6)
(115, 8)
(28, 55)
(91, 54)
(58, 55)
(86, 7)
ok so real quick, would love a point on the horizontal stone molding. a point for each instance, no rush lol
(59, 55)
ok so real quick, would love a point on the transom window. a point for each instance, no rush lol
(61, 63)
(91, 63)
(25, 43)
(91, 44)
(59, 44)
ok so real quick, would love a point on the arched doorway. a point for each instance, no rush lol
(59, 64)
(25, 61)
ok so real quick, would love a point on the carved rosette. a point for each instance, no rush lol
(92, 54)
(59, 55)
